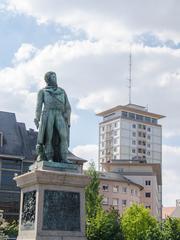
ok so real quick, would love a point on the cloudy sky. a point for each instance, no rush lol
(87, 43)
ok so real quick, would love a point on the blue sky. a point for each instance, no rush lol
(87, 43)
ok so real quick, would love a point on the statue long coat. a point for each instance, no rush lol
(47, 98)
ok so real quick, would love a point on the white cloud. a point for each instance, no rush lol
(88, 152)
(95, 74)
(24, 53)
(116, 19)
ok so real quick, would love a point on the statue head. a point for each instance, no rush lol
(50, 79)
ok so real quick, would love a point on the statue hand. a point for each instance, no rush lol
(36, 122)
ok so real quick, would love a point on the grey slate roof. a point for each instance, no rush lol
(17, 140)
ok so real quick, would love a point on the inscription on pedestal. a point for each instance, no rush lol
(61, 211)
(28, 210)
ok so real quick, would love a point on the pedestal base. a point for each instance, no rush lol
(52, 205)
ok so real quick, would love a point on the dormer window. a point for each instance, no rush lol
(1, 139)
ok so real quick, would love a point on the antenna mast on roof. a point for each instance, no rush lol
(130, 75)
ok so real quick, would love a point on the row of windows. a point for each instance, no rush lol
(109, 127)
(141, 126)
(141, 134)
(138, 117)
(142, 151)
(117, 189)
(143, 143)
(109, 142)
(115, 201)
(109, 151)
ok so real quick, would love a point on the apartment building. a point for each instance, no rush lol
(130, 143)
(130, 132)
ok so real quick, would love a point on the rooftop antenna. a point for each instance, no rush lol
(130, 75)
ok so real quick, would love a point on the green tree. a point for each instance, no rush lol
(93, 198)
(104, 226)
(171, 229)
(138, 224)
(11, 229)
(100, 224)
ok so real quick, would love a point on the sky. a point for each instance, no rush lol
(87, 44)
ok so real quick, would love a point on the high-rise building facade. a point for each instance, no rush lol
(130, 143)
(130, 132)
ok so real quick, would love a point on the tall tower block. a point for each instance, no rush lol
(130, 132)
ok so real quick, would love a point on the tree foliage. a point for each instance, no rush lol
(93, 198)
(171, 229)
(137, 224)
(104, 226)
(100, 224)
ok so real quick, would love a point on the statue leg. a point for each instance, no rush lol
(49, 134)
(62, 130)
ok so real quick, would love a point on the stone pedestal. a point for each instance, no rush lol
(52, 204)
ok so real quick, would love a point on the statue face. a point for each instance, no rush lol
(51, 79)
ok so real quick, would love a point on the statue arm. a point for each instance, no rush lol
(38, 108)
(67, 114)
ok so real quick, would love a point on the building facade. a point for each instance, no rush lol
(130, 143)
(118, 191)
(17, 153)
(148, 176)
(130, 132)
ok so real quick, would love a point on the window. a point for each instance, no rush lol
(102, 153)
(1, 139)
(149, 129)
(154, 120)
(102, 136)
(136, 192)
(148, 145)
(12, 164)
(148, 207)
(124, 203)
(115, 140)
(102, 144)
(102, 129)
(124, 189)
(139, 150)
(134, 125)
(124, 114)
(148, 153)
(147, 194)
(149, 137)
(115, 149)
(133, 142)
(139, 126)
(115, 133)
(147, 119)
(105, 201)
(115, 189)
(131, 115)
(148, 182)
(139, 117)
(115, 202)
(115, 124)
(105, 188)
(133, 150)
(132, 192)
(134, 134)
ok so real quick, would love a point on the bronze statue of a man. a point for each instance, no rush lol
(53, 120)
